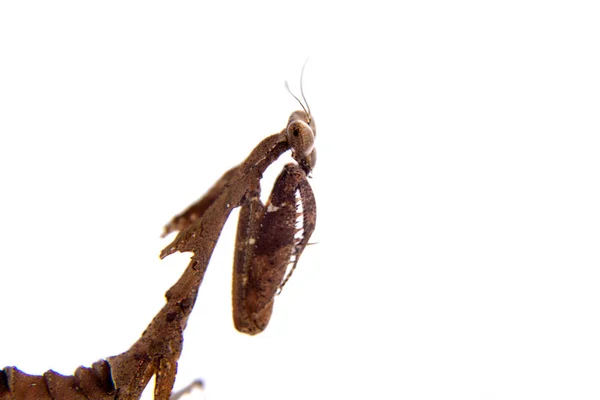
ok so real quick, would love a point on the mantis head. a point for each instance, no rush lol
(301, 132)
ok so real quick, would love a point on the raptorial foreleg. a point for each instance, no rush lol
(269, 241)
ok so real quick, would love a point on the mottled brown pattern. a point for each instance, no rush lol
(125, 376)
(265, 246)
(87, 383)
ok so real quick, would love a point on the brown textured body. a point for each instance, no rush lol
(87, 383)
(259, 272)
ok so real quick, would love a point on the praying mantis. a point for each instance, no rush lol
(270, 239)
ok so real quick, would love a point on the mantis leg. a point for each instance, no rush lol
(268, 241)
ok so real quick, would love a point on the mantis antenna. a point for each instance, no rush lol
(287, 86)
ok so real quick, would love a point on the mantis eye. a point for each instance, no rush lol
(301, 138)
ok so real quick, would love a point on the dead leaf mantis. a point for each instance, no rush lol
(268, 238)
(268, 241)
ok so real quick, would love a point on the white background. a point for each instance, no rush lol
(457, 184)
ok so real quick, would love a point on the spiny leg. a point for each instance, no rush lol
(306, 201)
(265, 246)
